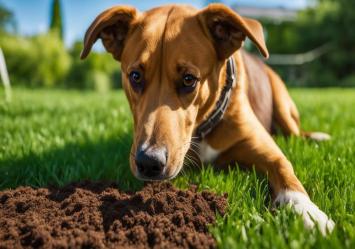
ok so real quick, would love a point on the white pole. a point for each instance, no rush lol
(5, 77)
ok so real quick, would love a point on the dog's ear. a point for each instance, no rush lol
(228, 30)
(112, 27)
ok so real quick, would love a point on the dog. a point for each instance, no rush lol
(188, 80)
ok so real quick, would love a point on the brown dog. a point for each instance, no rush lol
(185, 75)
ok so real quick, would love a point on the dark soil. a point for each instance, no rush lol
(98, 215)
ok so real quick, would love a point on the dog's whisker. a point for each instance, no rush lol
(195, 150)
(192, 161)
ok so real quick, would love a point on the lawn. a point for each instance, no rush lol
(55, 137)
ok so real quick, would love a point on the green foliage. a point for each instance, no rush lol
(44, 61)
(36, 61)
(330, 21)
(56, 23)
(6, 19)
(98, 71)
(51, 137)
(285, 32)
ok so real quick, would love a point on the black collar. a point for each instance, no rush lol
(222, 104)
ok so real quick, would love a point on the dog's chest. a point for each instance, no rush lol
(207, 153)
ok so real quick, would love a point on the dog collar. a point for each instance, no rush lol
(222, 104)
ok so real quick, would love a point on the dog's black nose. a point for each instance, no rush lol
(151, 162)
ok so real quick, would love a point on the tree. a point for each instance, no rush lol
(331, 21)
(56, 23)
(6, 19)
(324, 22)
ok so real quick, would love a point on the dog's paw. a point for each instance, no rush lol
(309, 211)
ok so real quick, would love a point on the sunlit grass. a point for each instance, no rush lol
(55, 137)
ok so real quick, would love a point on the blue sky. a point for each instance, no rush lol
(32, 16)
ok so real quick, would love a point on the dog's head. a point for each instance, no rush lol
(171, 60)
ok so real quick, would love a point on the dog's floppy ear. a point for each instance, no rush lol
(228, 30)
(112, 27)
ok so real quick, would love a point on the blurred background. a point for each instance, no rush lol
(311, 42)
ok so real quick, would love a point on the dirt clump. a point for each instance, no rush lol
(98, 215)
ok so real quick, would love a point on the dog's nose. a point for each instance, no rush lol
(151, 162)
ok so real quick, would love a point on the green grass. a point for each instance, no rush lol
(55, 137)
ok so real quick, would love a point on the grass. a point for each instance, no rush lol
(55, 137)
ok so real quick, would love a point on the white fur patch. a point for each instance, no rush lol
(319, 136)
(207, 153)
(309, 211)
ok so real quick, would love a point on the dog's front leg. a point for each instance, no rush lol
(256, 147)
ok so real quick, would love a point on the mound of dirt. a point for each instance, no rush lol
(97, 215)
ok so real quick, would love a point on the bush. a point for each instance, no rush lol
(99, 71)
(349, 81)
(36, 61)
(328, 22)
(44, 61)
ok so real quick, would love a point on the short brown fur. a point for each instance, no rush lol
(167, 40)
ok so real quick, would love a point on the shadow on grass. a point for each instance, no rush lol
(105, 159)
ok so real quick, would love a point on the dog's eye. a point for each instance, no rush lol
(136, 80)
(135, 77)
(189, 80)
(189, 83)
